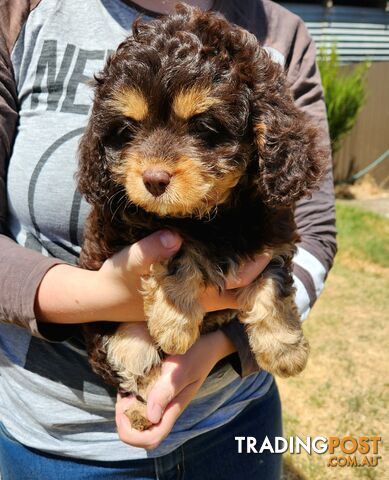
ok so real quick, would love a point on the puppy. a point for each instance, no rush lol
(193, 129)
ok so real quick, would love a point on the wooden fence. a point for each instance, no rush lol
(370, 136)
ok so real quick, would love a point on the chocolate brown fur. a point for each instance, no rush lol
(199, 99)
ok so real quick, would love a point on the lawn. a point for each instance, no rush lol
(344, 389)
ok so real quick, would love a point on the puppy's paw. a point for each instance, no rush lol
(285, 360)
(136, 413)
(173, 328)
(177, 341)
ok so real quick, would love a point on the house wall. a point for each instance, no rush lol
(359, 32)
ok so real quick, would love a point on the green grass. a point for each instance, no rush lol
(363, 234)
(343, 389)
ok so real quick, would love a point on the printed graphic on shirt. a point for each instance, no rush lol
(52, 76)
(61, 84)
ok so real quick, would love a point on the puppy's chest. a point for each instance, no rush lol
(227, 238)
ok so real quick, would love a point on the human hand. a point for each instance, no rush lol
(69, 294)
(125, 268)
(122, 276)
(180, 379)
(211, 299)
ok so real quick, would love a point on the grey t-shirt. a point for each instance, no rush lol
(49, 397)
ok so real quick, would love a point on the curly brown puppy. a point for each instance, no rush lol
(193, 129)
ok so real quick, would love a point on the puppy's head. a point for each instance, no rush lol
(186, 109)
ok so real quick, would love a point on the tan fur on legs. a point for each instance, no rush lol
(274, 327)
(136, 412)
(132, 353)
(171, 306)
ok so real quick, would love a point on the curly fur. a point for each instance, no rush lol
(201, 99)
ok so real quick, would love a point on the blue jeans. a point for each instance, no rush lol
(210, 456)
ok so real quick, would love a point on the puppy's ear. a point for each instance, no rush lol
(290, 158)
(94, 180)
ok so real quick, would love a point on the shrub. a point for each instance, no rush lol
(344, 92)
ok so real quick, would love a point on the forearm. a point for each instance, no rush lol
(37, 287)
(315, 220)
(220, 345)
(69, 294)
(21, 271)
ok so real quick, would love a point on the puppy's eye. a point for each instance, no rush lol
(119, 133)
(210, 131)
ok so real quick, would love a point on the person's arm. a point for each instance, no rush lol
(21, 270)
(69, 294)
(315, 216)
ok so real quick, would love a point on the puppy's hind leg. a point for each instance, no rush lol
(135, 358)
(273, 323)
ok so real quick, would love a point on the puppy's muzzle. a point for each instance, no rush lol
(156, 181)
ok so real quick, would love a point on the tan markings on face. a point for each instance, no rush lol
(187, 186)
(260, 132)
(222, 187)
(131, 103)
(193, 101)
(193, 190)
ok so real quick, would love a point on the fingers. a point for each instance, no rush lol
(166, 401)
(211, 300)
(147, 439)
(158, 400)
(152, 249)
(169, 384)
(248, 272)
(152, 437)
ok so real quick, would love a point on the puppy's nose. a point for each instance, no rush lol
(156, 181)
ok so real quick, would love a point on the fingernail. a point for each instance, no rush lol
(155, 413)
(169, 239)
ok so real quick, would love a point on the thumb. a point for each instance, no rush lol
(158, 399)
(165, 389)
(152, 249)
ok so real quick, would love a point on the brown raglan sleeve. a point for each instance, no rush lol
(315, 216)
(21, 270)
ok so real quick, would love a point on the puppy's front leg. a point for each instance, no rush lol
(171, 304)
(273, 323)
